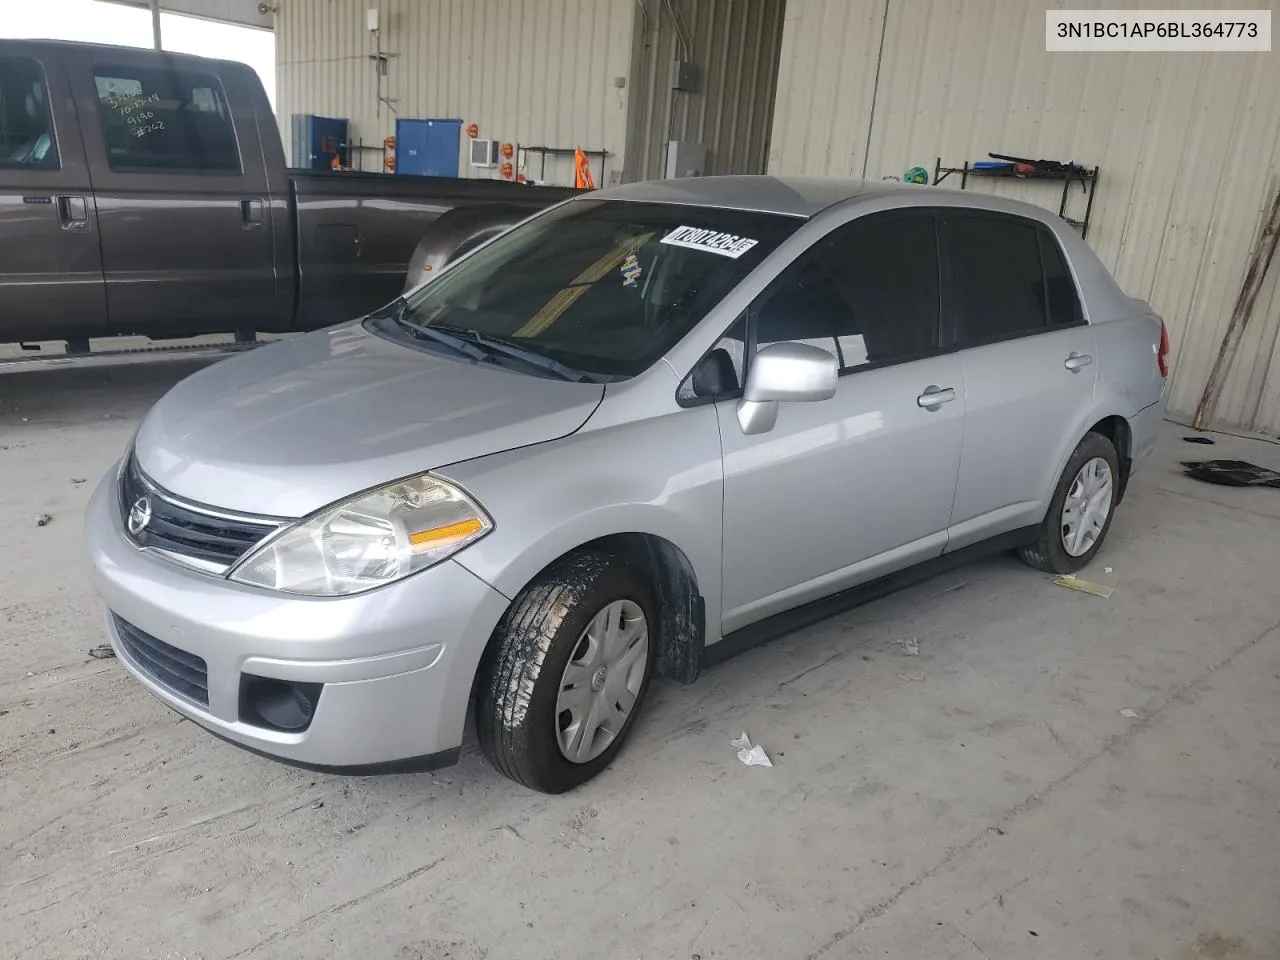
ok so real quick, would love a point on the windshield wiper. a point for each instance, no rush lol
(478, 346)
(523, 354)
(397, 312)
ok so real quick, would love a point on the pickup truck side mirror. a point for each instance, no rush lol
(784, 372)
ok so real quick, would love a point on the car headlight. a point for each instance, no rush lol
(372, 539)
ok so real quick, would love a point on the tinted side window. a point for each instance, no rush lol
(167, 120)
(998, 288)
(868, 293)
(1060, 286)
(26, 133)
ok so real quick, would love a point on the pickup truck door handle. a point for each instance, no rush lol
(1076, 362)
(251, 214)
(73, 212)
(935, 396)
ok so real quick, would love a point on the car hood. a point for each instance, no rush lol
(292, 427)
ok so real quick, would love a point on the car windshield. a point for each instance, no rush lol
(601, 287)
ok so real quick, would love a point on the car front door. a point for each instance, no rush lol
(1029, 370)
(843, 490)
(50, 259)
(184, 204)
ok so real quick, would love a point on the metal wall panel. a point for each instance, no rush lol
(1189, 145)
(736, 45)
(532, 72)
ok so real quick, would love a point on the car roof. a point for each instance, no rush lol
(807, 196)
(791, 196)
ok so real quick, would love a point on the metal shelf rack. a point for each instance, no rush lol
(1067, 175)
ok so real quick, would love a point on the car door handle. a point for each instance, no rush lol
(935, 396)
(73, 213)
(1076, 362)
(251, 214)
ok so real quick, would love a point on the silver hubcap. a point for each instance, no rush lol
(1088, 504)
(601, 681)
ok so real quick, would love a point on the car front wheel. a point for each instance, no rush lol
(566, 672)
(1080, 512)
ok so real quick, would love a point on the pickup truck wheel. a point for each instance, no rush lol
(1080, 512)
(566, 672)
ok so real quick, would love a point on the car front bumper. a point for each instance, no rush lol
(396, 663)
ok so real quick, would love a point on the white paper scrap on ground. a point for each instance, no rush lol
(751, 756)
(1129, 714)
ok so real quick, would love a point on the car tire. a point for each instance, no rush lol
(566, 672)
(1079, 497)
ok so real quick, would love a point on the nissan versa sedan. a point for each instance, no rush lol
(639, 431)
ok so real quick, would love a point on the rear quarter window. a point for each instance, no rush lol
(1060, 285)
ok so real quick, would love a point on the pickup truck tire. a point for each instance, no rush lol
(566, 672)
(1084, 500)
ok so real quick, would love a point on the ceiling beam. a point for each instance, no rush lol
(243, 13)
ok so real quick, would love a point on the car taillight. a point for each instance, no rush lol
(1162, 355)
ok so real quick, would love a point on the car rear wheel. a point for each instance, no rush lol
(1080, 512)
(566, 672)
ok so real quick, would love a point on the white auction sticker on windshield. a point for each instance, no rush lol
(697, 238)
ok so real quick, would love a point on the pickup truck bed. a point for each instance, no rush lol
(355, 232)
(147, 193)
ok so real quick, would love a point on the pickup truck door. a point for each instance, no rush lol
(50, 261)
(185, 211)
(845, 490)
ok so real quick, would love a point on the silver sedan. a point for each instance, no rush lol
(637, 433)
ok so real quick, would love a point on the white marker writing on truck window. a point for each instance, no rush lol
(697, 238)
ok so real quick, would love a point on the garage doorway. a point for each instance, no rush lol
(726, 103)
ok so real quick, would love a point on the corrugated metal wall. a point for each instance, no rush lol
(533, 72)
(1189, 145)
(735, 46)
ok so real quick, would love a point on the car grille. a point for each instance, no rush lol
(181, 672)
(187, 530)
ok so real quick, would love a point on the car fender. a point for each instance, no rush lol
(661, 476)
(1107, 403)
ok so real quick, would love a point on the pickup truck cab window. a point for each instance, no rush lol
(26, 131)
(868, 292)
(155, 119)
(602, 287)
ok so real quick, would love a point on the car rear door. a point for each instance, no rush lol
(1029, 371)
(844, 490)
(183, 197)
(50, 260)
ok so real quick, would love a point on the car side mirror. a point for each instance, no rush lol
(784, 372)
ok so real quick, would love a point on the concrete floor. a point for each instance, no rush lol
(984, 797)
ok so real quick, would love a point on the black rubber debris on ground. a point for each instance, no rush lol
(1232, 473)
(1206, 440)
(103, 652)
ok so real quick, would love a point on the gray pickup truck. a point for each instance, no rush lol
(146, 193)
